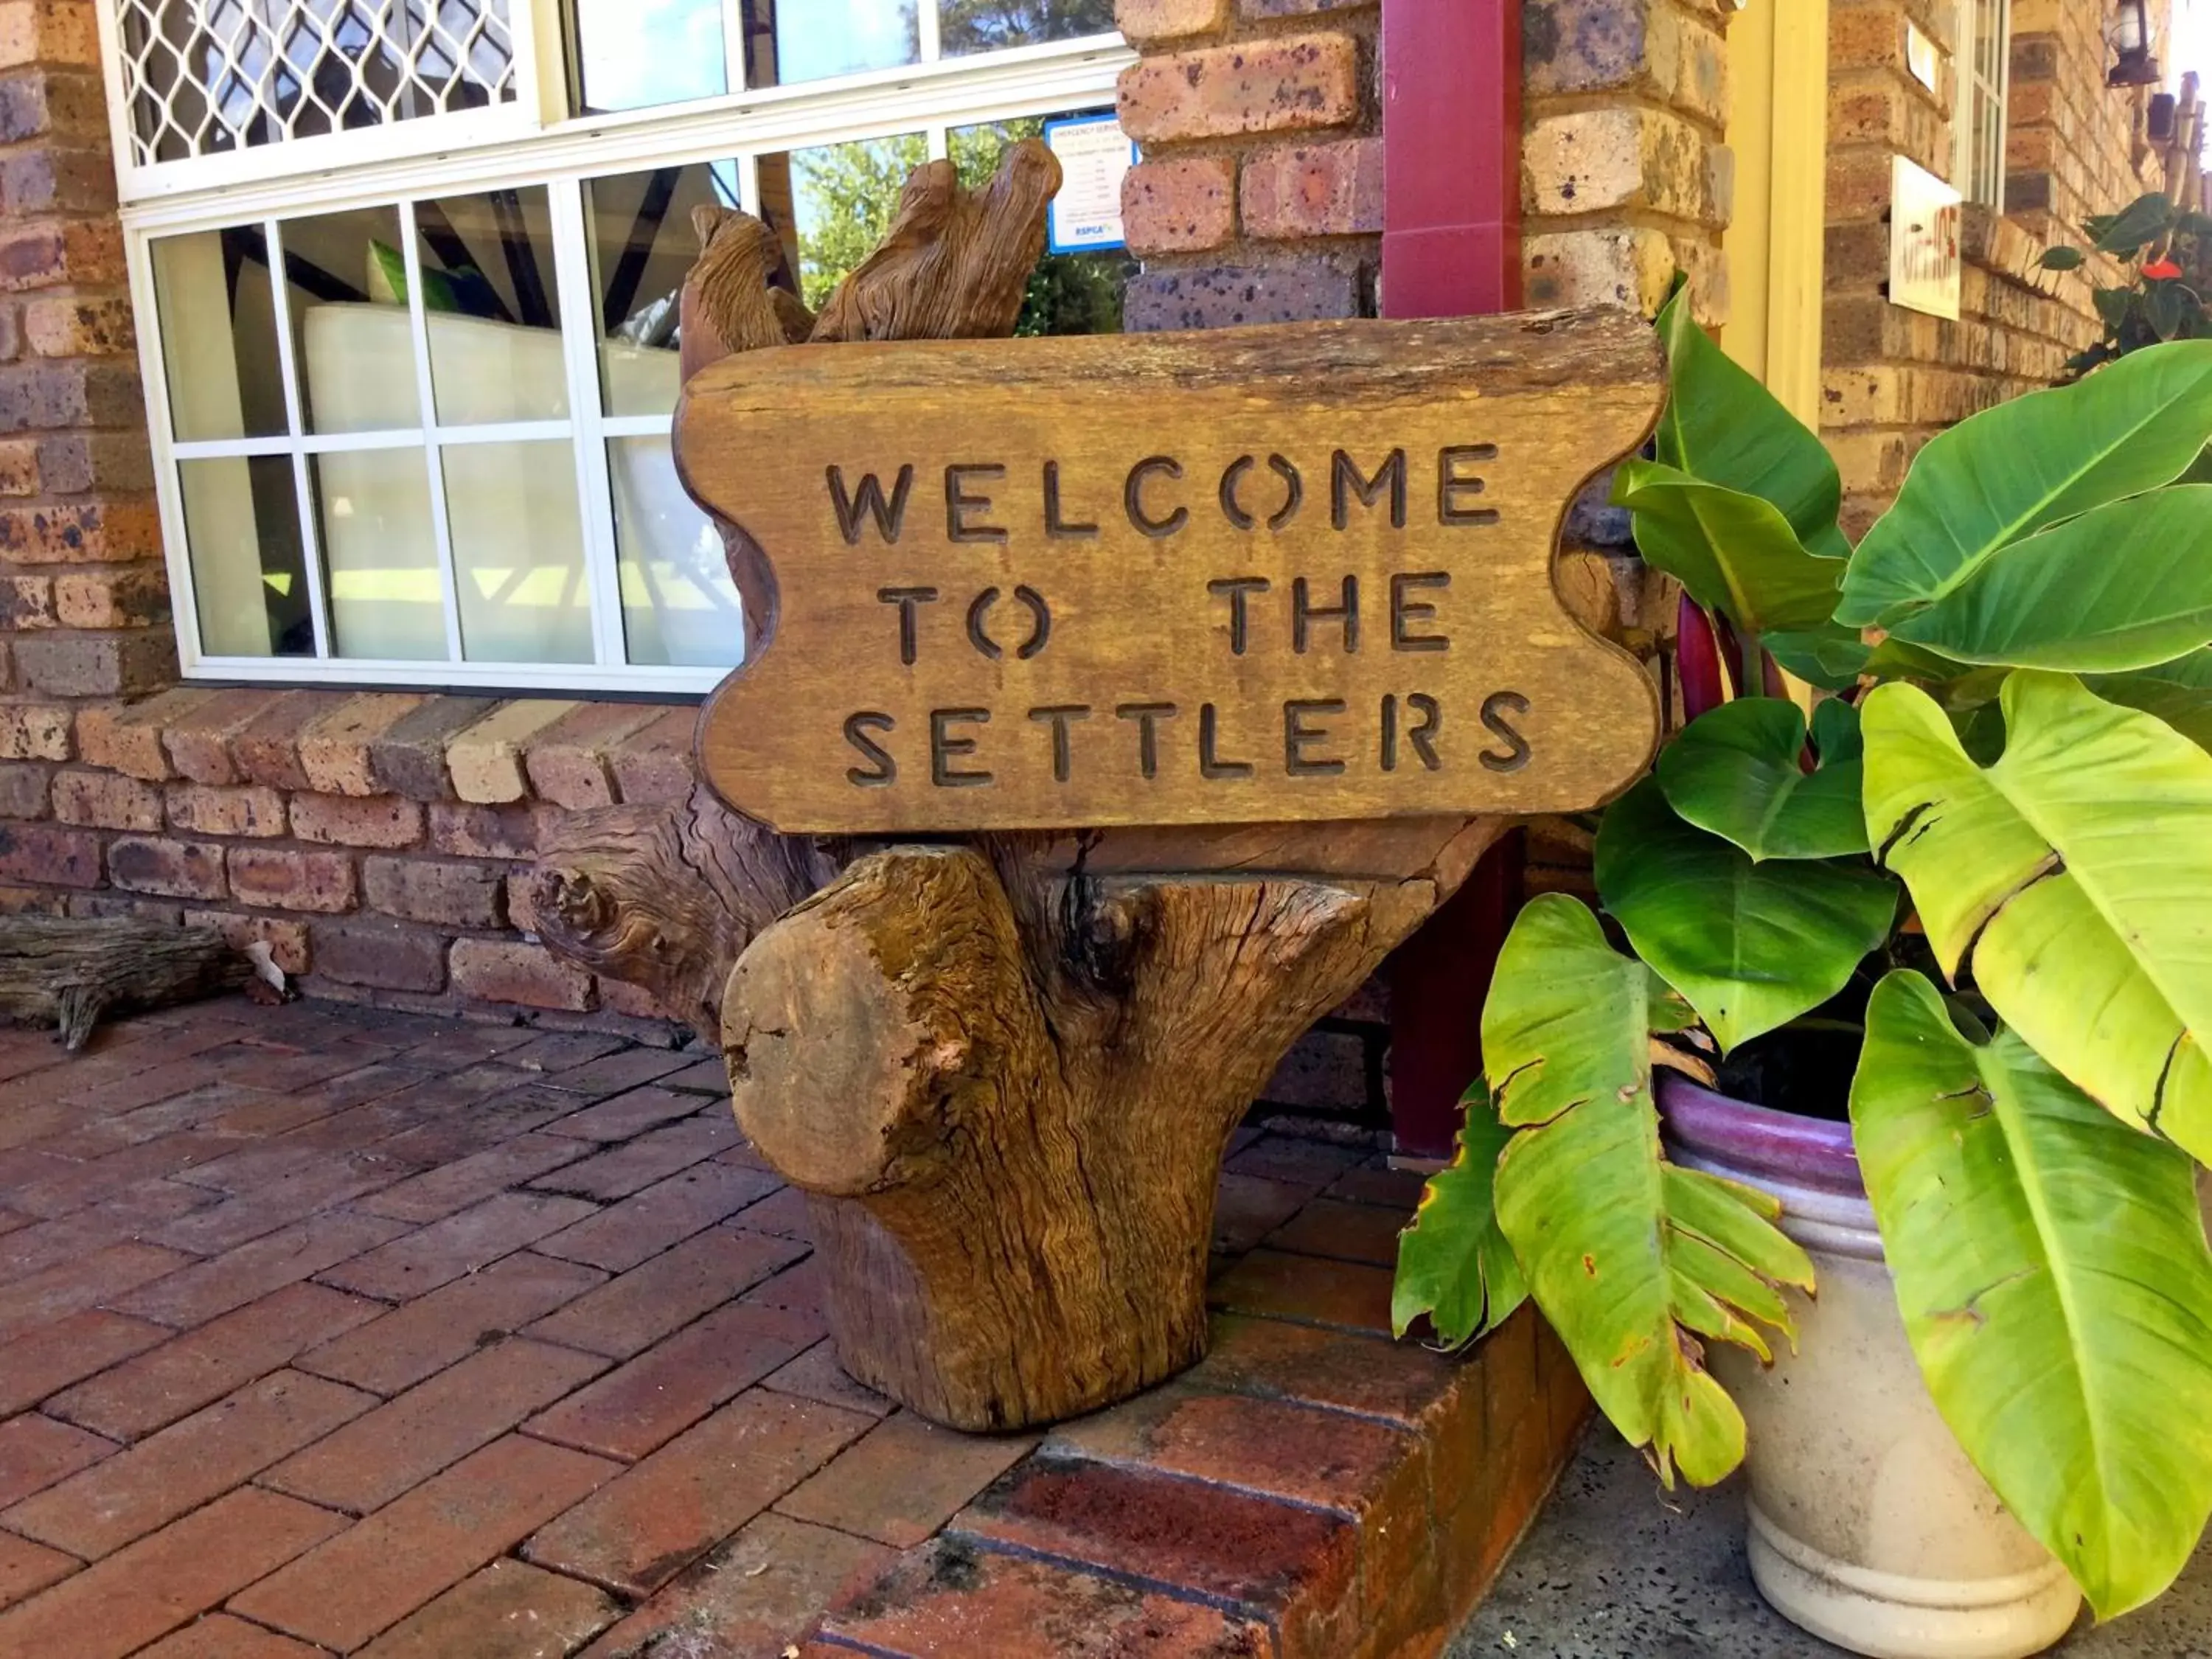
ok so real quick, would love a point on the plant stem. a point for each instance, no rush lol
(1753, 681)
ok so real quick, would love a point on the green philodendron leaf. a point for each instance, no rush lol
(2141, 222)
(2128, 584)
(2052, 1268)
(1734, 771)
(1632, 1259)
(1454, 1264)
(1830, 658)
(2178, 692)
(1836, 734)
(1721, 425)
(2073, 877)
(2015, 469)
(1751, 946)
(1735, 552)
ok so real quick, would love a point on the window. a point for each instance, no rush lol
(411, 339)
(1983, 58)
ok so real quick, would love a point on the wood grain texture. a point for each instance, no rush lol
(1278, 575)
(72, 971)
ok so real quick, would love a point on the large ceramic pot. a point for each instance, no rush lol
(1868, 1525)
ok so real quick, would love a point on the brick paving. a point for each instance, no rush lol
(328, 1329)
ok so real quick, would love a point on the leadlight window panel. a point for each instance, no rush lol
(206, 78)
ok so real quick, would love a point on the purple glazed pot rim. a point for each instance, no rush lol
(1802, 1151)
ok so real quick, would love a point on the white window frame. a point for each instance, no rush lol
(412, 160)
(1978, 159)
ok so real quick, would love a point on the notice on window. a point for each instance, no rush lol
(1095, 154)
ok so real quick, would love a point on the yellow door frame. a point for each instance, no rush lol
(1778, 129)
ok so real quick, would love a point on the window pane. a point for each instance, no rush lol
(219, 334)
(633, 54)
(346, 281)
(642, 244)
(1068, 293)
(517, 543)
(788, 41)
(249, 572)
(205, 76)
(679, 606)
(373, 512)
(966, 26)
(493, 310)
(832, 205)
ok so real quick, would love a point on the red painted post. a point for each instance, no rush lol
(1451, 247)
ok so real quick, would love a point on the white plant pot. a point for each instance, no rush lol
(1867, 1525)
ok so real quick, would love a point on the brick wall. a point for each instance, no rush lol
(1892, 378)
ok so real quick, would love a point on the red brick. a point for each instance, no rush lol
(568, 762)
(134, 596)
(36, 1451)
(1324, 1458)
(384, 1568)
(1293, 1565)
(374, 1459)
(753, 1593)
(489, 832)
(219, 1635)
(198, 744)
(19, 467)
(35, 1364)
(26, 602)
(281, 878)
(437, 1193)
(386, 955)
(435, 889)
(251, 1270)
(816, 1375)
(1346, 1232)
(27, 1568)
(357, 821)
(631, 1412)
(76, 1285)
(80, 532)
(1348, 1295)
(507, 1611)
(173, 868)
(98, 1511)
(641, 1530)
(335, 750)
(210, 810)
(625, 1114)
(1315, 190)
(1371, 1375)
(34, 731)
(1274, 85)
(946, 1599)
(188, 1372)
(47, 396)
(1143, 22)
(23, 790)
(266, 750)
(904, 1481)
(1247, 1208)
(45, 32)
(644, 1161)
(1309, 1163)
(1182, 205)
(526, 974)
(629, 1314)
(134, 1596)
(425, 1336)
(665, 1213)
(655, 765)
(409, 757)
(461, 1243)
(61, 858)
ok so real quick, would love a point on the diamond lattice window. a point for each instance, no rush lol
(208, 77)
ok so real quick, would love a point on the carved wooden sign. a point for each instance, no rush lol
(1270, 574)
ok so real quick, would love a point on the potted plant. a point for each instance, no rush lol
(1926, 981)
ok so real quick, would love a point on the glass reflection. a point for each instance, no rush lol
(1068, 293)
(373, 512)
(346, 284)
(518, 539)
(631, 54)
(832, 205)
(492, 305)
(679, 608)
(788, 41)
(643, 246)
(970, 25)
(219, 334)
(249, 568)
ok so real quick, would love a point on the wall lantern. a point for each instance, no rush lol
(2129, 36)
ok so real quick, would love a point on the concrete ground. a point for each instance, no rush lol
(1618, 1569)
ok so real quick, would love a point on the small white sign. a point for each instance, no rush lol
(1924, 216)
(1921, 59)
(1095, 154)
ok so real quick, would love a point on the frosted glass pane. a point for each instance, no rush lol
(249, 573)
(679, 607)
(372, 509)
(518, 552)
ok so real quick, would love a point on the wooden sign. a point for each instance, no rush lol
(1270, 574)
